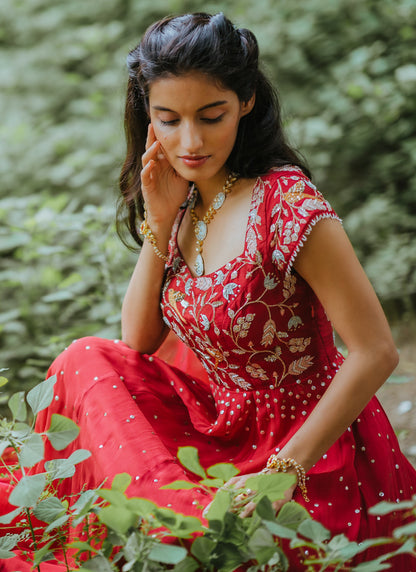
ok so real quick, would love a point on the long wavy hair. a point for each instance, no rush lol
(212, 45)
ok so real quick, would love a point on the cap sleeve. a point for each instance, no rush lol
(296, 206)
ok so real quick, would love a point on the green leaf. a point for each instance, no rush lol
(167, 553)
(224, 471)
(292, 514)
(188, 564)
(49, 509)
(96, 564)
(407, 547)
(8, 542)
(117, 518)
(141, 507)
(262, 544)
(273, 485)
(188, 457)
(374, 566)
(5, 554)
(229, 556)
(265, 510)
(28, 490)
(279, 530)
(41, 395)
(219, 506)
(383, 508)
(85, 498)
(62, 431)
(405, 530)
(57, 523)
(114, 496)
(3, 381)
(32, 451)
(83, 546)
(181, 485)
(350, 549)
(43, 554)
(3, 446)
(338, 542)
(314, 530)
(78, 456)
(21, 430)
(60, 469)
(180, 525)
(17, 406)
(213, 483)
(7, 518)
(202, 548)
(120, 482)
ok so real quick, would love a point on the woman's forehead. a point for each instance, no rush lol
(195, 88)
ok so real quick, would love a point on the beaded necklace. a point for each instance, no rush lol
(201, 225)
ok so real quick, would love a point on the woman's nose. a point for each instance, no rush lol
(191, 138)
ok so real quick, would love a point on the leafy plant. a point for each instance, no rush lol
(111, 531)
(34, 494)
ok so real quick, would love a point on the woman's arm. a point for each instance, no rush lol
(328, 263)
(163, 191)
(142, 327)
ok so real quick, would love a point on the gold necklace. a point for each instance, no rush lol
(201, 226)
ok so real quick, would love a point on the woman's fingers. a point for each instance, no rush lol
(146, 172)
(151, 137)
(151, 153)
(248, 509)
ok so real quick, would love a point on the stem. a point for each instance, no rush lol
(32, 532)
(61, 540)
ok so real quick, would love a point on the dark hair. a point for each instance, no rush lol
(208, 44)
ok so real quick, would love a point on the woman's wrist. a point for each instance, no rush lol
(158, 238)
(288, 465)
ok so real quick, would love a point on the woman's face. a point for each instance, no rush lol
(196, 122)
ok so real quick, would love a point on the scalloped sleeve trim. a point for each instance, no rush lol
(304, 237)
(295, 206)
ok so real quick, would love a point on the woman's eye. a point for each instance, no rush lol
(213, 119)
(170, 122)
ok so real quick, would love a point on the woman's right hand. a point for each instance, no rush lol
(163, 189)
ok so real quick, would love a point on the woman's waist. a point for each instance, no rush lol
(305, 373)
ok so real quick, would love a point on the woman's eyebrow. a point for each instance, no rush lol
(214, 104)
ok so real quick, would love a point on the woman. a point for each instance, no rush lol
(249, 265)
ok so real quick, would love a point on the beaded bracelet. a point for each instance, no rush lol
(146, 231)
(282, 465)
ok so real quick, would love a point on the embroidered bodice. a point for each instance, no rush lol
(254, 322)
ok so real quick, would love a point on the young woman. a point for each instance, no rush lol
(247, 263)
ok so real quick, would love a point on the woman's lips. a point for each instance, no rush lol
(194, 160)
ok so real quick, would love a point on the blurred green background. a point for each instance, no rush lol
(346, 73)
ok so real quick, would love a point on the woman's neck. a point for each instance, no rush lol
(208, 189)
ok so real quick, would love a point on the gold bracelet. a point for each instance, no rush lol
(282, 465)
(146, 231)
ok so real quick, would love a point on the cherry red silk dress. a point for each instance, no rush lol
(268, 356)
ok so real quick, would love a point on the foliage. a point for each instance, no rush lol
(40, 517)
(346, 73)
(117, 532)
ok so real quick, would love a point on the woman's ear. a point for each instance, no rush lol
(247, 106)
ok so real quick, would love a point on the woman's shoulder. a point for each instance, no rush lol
(288, 189)
(288, 179)
(292, 205)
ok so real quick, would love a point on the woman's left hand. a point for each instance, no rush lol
(243, 499)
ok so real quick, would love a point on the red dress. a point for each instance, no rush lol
(268, 355)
